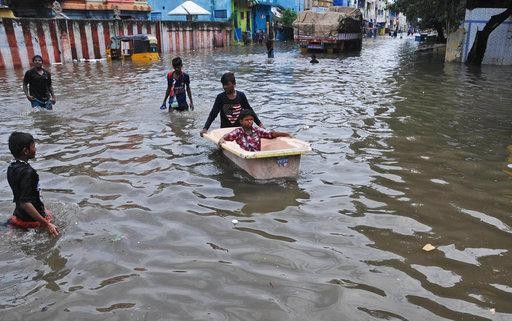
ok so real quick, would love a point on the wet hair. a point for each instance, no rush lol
(228, 77)
(19, 141)
(37, 56)
(244, 113)
(177, 62)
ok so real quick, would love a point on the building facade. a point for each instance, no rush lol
(106, 9)
(251, 19)
(220, 10)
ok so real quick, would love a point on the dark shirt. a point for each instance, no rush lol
(180, 87)
(229, 110)
(270, 44)
(24, 183)
(39, 85)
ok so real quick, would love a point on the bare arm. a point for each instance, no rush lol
(222, 140)
(189, 93)
(31, 210)
(52, 97)
(25, 90)
(231, 136)
(213, 114)
(167, 92)
(50, 89)
(280, 134)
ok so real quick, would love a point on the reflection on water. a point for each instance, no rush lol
(406, 151)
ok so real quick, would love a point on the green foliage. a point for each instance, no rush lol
(437, 14)
(288, 17)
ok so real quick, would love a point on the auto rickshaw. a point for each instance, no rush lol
(138, 48)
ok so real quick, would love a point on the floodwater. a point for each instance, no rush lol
(406, 151)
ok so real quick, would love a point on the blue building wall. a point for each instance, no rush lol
(220, 9)
(260, 13)
(340, 3)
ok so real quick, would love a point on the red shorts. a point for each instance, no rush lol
(30, 224)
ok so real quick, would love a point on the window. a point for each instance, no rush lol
(221, 14)
(242, 15)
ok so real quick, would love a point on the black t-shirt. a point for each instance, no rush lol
(229, 110)
(39, 85)
(24, 182)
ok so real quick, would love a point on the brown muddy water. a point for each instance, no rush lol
(406, 151)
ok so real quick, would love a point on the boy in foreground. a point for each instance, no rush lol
(24, 182)
(229, 104)
(247, 136)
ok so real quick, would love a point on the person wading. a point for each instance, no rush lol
(37, 85)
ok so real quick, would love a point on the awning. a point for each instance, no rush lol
(188, 8)
(276, 12)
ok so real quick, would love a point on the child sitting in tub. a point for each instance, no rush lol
(247, 136)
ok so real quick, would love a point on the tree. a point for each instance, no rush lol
(441, 15)
(288, 17)
(477, 52)
(285, 23)
(446, 15)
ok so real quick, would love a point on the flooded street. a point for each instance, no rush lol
(407, 151)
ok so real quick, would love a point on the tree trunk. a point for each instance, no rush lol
(477, 52)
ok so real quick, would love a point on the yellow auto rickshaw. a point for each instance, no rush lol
(138, 48)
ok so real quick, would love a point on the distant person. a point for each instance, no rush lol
(178, 87)
(247, 136)
(229, 104)
(270, 45)
(24, 181)
(259, 36)
(37, 85)
(313, 59)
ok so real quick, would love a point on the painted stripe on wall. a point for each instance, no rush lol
(190, 44)
(22, 46)
(106, 35)
(65, 46)
(179, 45)
(2, 64)
(129, 28)
(159, 35)
(83, 40)
(11, 40)
(65, 40)
(88, 36)
(55, 41)
(5, 52)
(48, 42)
(42, 42)
(101, 40)
(173, 41)
(78, 42)
(25, 26)
(72, 43)
(35, 38)
(95, 40)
